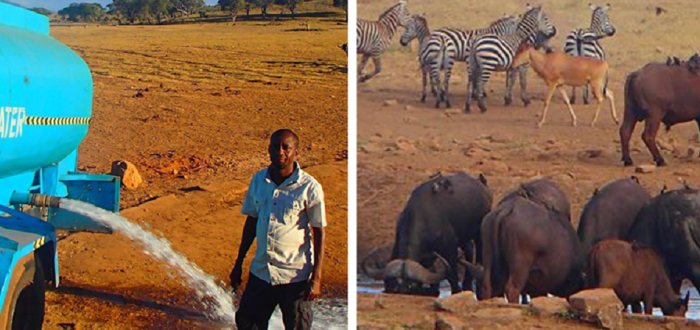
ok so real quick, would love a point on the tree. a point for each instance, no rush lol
(188, 7)
(342, 4)
(263, 4)
(159, 9)
(233, 6)
(130, 9)
(85, 12)
(291, 4)
(42, 11)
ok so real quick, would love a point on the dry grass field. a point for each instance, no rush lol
(192, 106)
(401, 144)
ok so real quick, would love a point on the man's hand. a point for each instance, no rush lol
(314, 290)
(235, 277)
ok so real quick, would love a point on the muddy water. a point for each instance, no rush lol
(693, 313)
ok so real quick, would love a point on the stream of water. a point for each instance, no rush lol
(218, 303)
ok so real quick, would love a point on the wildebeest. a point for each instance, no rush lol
(670, 223)
(610, 212)
(528, 248)
(659, 93)
(636, 274)
(442, 215)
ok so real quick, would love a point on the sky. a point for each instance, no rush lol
(56, 5)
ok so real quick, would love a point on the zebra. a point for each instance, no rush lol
(491, 52)
(585, 42)
(448, 45)
(417, 27)
(373, 37)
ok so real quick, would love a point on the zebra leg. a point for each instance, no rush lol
(435, 81)
(523, 85)
(428, 71)
(446, 88)
(361, 67)
(584, 93)
(510, 81)
(377, 68)
(471, 89)
(424, 75)
(480, 84)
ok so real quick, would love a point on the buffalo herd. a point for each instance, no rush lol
(639, 246)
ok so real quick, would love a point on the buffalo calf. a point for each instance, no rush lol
(636, 274)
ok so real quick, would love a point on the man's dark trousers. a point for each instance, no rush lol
(260, 299)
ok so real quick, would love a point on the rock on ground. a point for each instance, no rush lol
(127, 172)
(645, 169)
(600, 306)
(455, 302)
(549, 305)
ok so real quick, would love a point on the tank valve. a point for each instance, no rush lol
(40, 200)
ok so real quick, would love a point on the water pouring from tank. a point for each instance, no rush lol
(218, 302)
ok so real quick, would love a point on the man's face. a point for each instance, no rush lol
(283, 150)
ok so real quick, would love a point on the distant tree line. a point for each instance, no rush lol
(235, 5)
(159, 10)
(83, 12)
(145, 10)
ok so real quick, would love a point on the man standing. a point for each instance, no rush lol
(286, 212)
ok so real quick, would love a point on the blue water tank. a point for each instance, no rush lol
(45, 103)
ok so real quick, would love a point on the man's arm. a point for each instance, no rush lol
(318, 234)
(246, 241)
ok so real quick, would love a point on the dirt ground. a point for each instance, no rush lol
(402, 143)
(192, 106)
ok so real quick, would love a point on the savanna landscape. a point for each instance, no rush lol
(192, 106)
(403, 142)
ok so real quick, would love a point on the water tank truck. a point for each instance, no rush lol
(45, 111)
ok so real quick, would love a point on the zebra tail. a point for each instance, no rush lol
(474, 69)
(441, 54)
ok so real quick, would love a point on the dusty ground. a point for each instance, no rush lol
(192, 106)
(401, 145)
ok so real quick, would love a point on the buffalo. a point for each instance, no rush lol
(443, 215)
(610, 212)
(545, 192)
(528, 247)
(408, 276)
(660, 93)
(670, 223)
(637, 274)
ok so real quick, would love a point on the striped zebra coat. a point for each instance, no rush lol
(417, 28)
(586, 42)
(492, 52)
(449, 45)
(373, 37)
